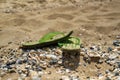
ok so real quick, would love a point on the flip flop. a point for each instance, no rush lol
(71, 44)
(48, 39)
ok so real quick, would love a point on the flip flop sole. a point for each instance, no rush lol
(46, 40)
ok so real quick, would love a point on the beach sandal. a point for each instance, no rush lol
(70, 44)
(48, 39)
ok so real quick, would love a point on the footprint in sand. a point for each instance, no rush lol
(63, 16)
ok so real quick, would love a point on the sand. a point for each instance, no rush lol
(93, 21)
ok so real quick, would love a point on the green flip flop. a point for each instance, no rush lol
(48, 39)
(70, 44)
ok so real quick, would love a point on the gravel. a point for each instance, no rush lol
(34, 63)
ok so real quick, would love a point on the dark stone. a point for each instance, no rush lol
(116, 73)
(107, 71)
(10, 63)
(81, 46)
(38, 68)
(109, 49)
(19, 61)
(116, 43)
(118, 64)
(53, 61)
(107, 78)
(32, 62)
(8, 67)
(12, 71)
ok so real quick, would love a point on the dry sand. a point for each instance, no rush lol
(94, 21)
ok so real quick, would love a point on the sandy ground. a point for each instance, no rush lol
(94, 21)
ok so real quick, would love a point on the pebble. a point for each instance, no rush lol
(65, 78)
(23, 64)
(109, 49)
(38, 68)
(118, 37)
(116, 73)
(107, 78)
(53, 61)
(116, 42)
(107, 71)
(118, 64)
(19, 78)
(10, 62)
(94, 56)
(36, 78)
(23, 76)
(67, 70)
(40, 73)
(19, 61)
(51, 56)
(95, 48)
(112, 56)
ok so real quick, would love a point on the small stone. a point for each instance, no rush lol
(82, 46)
(100, 75)
(19, 61)
(95, 48)
(19, 71)
(27, 67)
(58, 51)
(10, 62)
(40, 73)
(118, 64)
(43, 67)
(118, 37)
(95, 57)
(9, 42)
(53, 61)
(116, 73)
(12, 71)
(113, 56)
(74, 77)
(98, 67)
(60, 62)
(49, 72)
(51, 56)
(19, 78)
(116, 42)
(31, 51)
(32, 62)
(107, 78)
(67, 70)
(36, 78)
(107, 71)
(100, 61)
(39, 50)
(23, 76)
(38, 68)
(109, 49)
(8, 67)
(65, 78)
